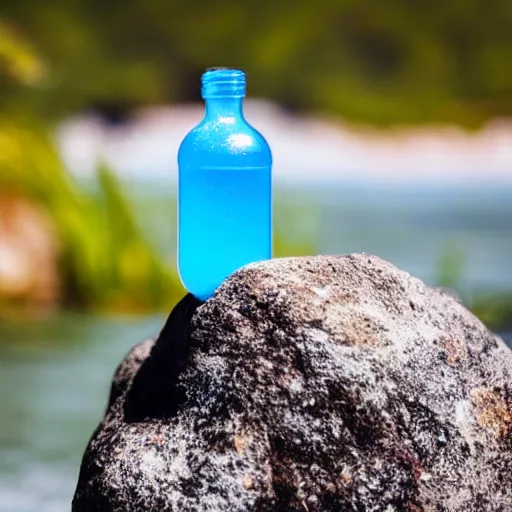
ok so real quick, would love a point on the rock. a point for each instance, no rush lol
(29, 253)
(309, 384)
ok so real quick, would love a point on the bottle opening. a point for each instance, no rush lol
(223, 83)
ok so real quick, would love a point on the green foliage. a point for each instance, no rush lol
(370, 61)
(19, 60)
(450, 267)
(296, 227)
(493, 309)
(106, 261)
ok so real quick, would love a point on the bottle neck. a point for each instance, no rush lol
(224, 107)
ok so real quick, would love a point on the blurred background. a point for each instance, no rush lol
(391, 127)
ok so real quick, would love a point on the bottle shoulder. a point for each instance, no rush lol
(220, 138)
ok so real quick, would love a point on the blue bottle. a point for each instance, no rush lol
(224, 189)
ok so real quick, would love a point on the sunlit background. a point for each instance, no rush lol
(391, 128)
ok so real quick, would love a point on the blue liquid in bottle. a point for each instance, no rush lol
(225, 189)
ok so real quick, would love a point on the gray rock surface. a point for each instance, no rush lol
(309, 384)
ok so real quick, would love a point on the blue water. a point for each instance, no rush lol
(225, 223)
(413, 227)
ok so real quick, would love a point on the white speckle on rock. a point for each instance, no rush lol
(323, 292)
(296, 385)
(317, 335)
(151, 461)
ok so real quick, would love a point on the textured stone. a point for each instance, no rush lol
(309, 384)
(29, 254)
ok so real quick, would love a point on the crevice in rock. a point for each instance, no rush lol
(153, 393)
